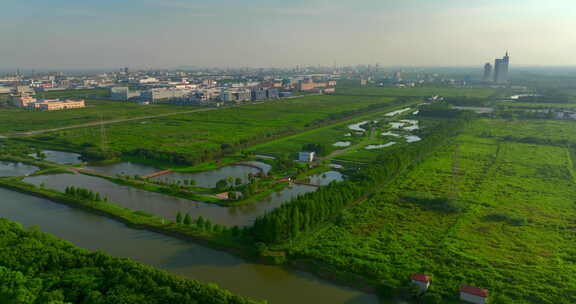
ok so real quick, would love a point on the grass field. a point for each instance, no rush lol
(534, 105)
(417, 92)
(17, 120)
(199, 132)
(536, 130)
(510, 227)
(326, 136)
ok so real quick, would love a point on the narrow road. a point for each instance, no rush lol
(98, 123)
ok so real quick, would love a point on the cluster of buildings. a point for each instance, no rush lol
(217, 90)
(24, 97)
(499, 72)
(468, 294)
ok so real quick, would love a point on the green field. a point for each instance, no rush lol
(534, 105)
(416, 92)
(325, 136)
(17, 120)
(484, 211)
(198, 135)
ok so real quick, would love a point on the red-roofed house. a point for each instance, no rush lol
(423, 281)
(473, 294)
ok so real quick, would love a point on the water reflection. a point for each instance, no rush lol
(15, 169)
(60, 157)
(189, 260)
(168, 207)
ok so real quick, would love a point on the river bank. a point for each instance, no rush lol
(277, 284)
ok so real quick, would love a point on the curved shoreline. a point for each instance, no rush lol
(244, 252)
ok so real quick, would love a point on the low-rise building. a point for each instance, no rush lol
(21, 101)
(56, 105)
(421, 280)
(473, 294)
(158, 94)
(236, 95)
(272, 93)
(120, 93)
(306, 156)
(259, 94)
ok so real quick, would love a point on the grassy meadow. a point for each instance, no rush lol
(483, 211)
(199, 132)
(14, 120)
(416, 92)
(326, 136)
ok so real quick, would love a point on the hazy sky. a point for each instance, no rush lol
(169, 33)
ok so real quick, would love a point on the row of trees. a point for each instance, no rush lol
(206, 225)
(310, 210)
(84, 194)
(37, 268)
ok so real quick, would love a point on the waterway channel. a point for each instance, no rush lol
(273, 283)
(168, 206)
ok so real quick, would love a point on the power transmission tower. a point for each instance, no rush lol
(103, 138)
(455, 172)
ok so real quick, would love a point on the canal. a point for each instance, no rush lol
(273, 283)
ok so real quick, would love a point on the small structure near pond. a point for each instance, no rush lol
(306, 157)
(422, 281)
(473, 294)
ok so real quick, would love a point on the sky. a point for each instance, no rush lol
(69, 34)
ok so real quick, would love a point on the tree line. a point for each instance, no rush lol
(84, 194)
(37, 268)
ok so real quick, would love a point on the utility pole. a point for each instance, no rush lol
(103, 139)
(455, 173)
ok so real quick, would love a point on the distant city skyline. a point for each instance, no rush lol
(106, 34)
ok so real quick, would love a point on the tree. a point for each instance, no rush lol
(200, 222)
(179, 218)
(238, 182)
(232, 196)
(222, 184)
(187, 220)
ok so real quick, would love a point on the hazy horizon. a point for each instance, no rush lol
(65, 34)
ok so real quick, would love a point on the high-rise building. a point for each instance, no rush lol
(487, 72)
(501, 69)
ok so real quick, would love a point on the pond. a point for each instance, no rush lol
(386, 145)
(342, 144)
(16, 169)
(358, 126)
(412, 138)
(391, 114)
(208, 179)
(63, 158)
(391, 134)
